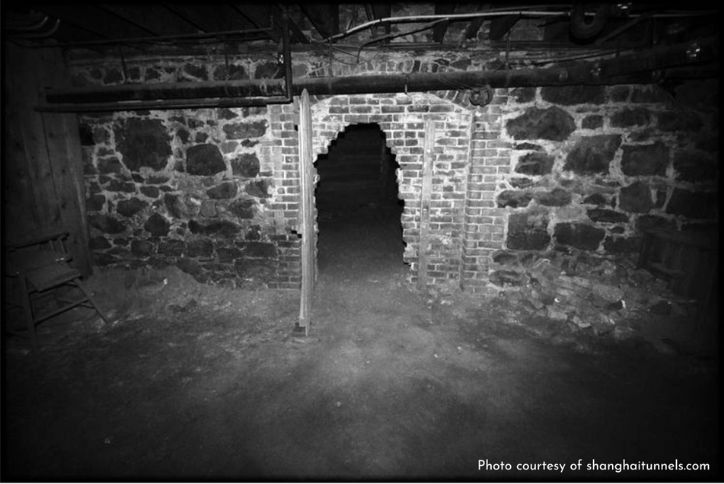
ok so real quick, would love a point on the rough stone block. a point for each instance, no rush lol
(143, 142)
(242, 208)
(505, 258)
(95, 203)
(520, 182)
(619, 94)
(223, 228)
(592, 122)
(141, 248)
(190, 266)
(651, 159)
(208, 208)
(596, 199)
(569, 95)
(631, 117)
(246, 165)
(157, 225)
(121, 186)
(552, 123)
(195, 72)
(528, 231)
(223, 190)
(607, 216)
(106, 224)
(228, 254)
(258, 188)
(523, 94)
(171, 247)
(109, 164)
(268, 70)
(528, 146)
(230, 72)
(622, 245)
(507, 278)
(535, 164)
(150, 191)
(130, 207)
(253, 129)
(554, 198)
(99, 242)
(513, 198)
(199, 248)
(183, 135)
(180, 207)
(157, 179)
(205, 159)
(635, 198)
(593, 154)
(226, 113)
(578, 235)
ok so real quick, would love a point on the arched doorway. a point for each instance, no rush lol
(358, 209)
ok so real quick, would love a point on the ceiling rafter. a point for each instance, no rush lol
(438, 32)
(324, 17)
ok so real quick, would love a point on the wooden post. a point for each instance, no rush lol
(466, 182)
(46, 155)
(426, 192)
(306, 175)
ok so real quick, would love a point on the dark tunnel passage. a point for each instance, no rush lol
(358, 210)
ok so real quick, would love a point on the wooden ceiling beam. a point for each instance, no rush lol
(152, 17)
(324, 17)
(96, 20)
(471, 32)
(383, 10)
(500, 26)
(438, 32)
(296, 34)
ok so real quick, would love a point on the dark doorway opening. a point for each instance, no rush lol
(358, 209)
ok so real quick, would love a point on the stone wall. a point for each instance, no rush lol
(591, 167)
(194, 188)
(572, 169)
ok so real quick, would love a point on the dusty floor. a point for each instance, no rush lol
(191, 381)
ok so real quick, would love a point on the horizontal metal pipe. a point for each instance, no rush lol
(631, 68)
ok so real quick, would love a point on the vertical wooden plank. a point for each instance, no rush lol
(466, 184)
(306, 174)
(64, 154)
(23, 81)
(48, 150)
(425, 194)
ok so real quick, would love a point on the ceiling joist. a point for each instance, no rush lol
(324, 17)
(438, 32)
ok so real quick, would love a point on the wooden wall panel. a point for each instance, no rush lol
(43, 155)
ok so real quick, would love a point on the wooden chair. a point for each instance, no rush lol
(40, 265)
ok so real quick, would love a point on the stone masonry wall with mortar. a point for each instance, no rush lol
(193, 188)
(591, 167)
(574, 169)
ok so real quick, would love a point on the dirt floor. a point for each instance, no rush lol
(191, 381)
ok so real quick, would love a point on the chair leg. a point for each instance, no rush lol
(27, 308)
(87, 294)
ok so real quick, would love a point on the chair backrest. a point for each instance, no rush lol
(37, 251)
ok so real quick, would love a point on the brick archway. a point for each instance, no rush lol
(401, 117)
